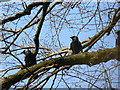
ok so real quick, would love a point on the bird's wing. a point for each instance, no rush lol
(70, 46)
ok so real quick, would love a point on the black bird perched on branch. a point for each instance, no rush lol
(30, 58)
(75, 45)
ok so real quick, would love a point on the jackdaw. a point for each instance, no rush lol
(75, 45)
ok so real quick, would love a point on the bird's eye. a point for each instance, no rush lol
(74, 38)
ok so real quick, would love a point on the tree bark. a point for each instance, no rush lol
(88, 58)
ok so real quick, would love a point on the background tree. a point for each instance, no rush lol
(45, 28)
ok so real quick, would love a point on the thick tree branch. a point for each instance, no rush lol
(36, 39)
(27, 11)
(50, 8)
(88, 58)
(27, 25)
(98, 36)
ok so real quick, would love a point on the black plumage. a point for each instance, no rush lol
(118, 38)
(75, 45)
(30, 58)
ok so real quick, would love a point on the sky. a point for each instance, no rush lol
(65, 38)
(62, 0)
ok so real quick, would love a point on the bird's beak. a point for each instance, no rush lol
(22, 52)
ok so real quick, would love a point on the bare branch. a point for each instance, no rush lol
(36, 39)
(88, 58)
(27, 11)
(95, 38)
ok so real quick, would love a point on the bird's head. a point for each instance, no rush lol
(74, 38)
(26, 52)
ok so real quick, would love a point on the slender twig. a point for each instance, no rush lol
(95, 38)
(53, 73)
(53, 81)
(27, 11)
(84, 80)
(20, 31)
